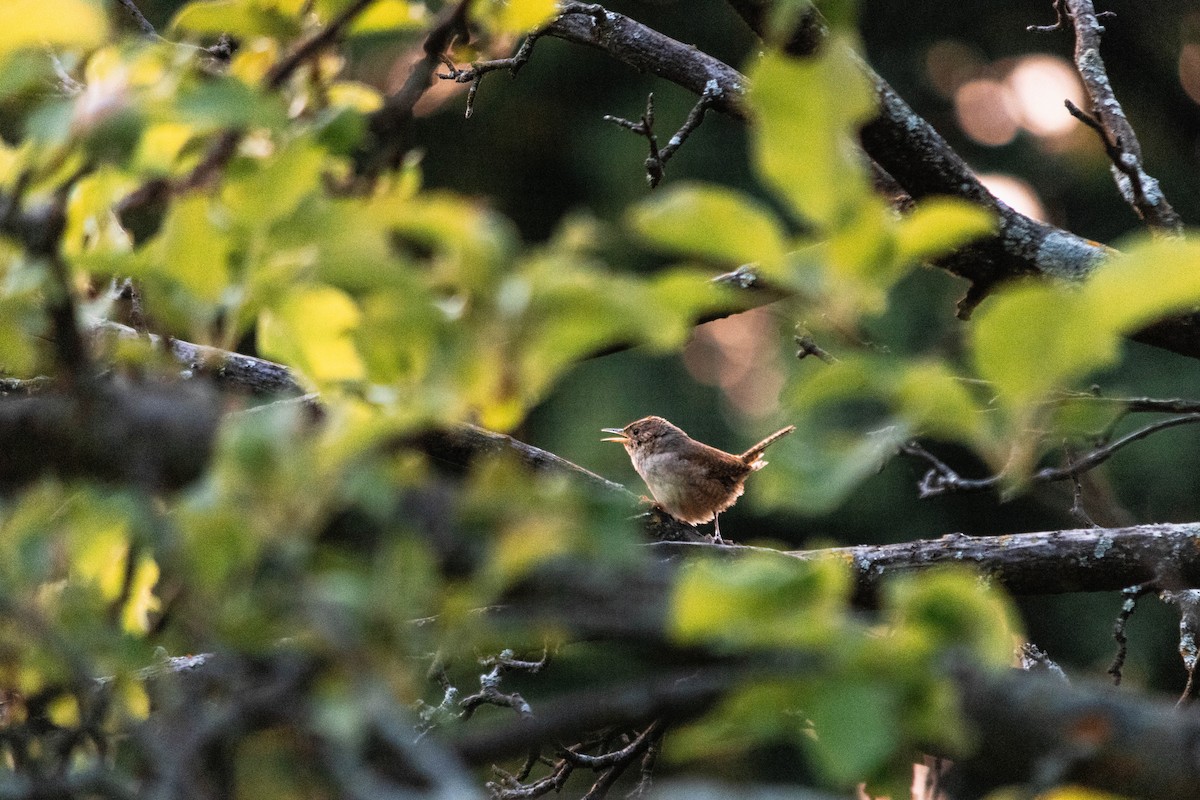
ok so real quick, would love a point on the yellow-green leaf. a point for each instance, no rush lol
(390, 15)
(792, 602)
(194, 248)
(953, 608)
(239, 18)
(939, 226)
(710, 222)
(854, 728)
(1150, 280)
(523, 16)
(1038, 337)
(807, 113)
(37, 23)
(312, 329)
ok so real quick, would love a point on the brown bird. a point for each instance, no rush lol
(691, 481)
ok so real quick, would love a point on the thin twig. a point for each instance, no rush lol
(139, 17)
(283, 69)
(1060, 14)
(389, 124)
(942, 479)
(1188, 602)
(1078, 511)
(656, 162)
(634, 748)
(1120, 142)
(807, 346)
(1129, 598)
(474, 74)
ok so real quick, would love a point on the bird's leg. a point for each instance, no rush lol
(716, 535)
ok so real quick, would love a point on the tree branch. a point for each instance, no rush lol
(389, 125)
(155, 436)
(647, 50)
(281, 70)
(1108, 119)
(943, 479)
(138, 17)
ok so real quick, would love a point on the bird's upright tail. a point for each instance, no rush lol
(753, 456)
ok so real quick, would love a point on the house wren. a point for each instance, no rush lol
(690, 480)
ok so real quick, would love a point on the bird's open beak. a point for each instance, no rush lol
(620, 436)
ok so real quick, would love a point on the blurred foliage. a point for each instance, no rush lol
(335, 545)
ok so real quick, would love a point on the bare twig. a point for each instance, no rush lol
(1108, 119)
(656, 163)
(1077, 510)
(474, 74)
(633, 749)
(942, 479)
(1035, 659)
(138, 17)
(489, 684)
(1188, 602)
(1133, 405)
(1060, 14)
(807, 346)
(1129, 598)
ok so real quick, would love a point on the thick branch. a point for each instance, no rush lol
(647, 50)
(1046, 562)
(1035, 729)
(229, 370)
(153, 436)
(903, 143)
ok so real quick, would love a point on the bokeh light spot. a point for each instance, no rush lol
(1040, 83)
(986, 111)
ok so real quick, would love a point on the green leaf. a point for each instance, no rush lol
(193, 248)
(855, 724)
(954, 608)
(939, 226)
(386, 16)
(807, 114)
(262, 190)
(242, 18)
(227, 102)
(711, 222)
(1152, 279)
(1038, 337)
(20, 322)
(353, 250)
(57, 23)
(791, 601)
(815, 469)
(937, 403)
(520, 16)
